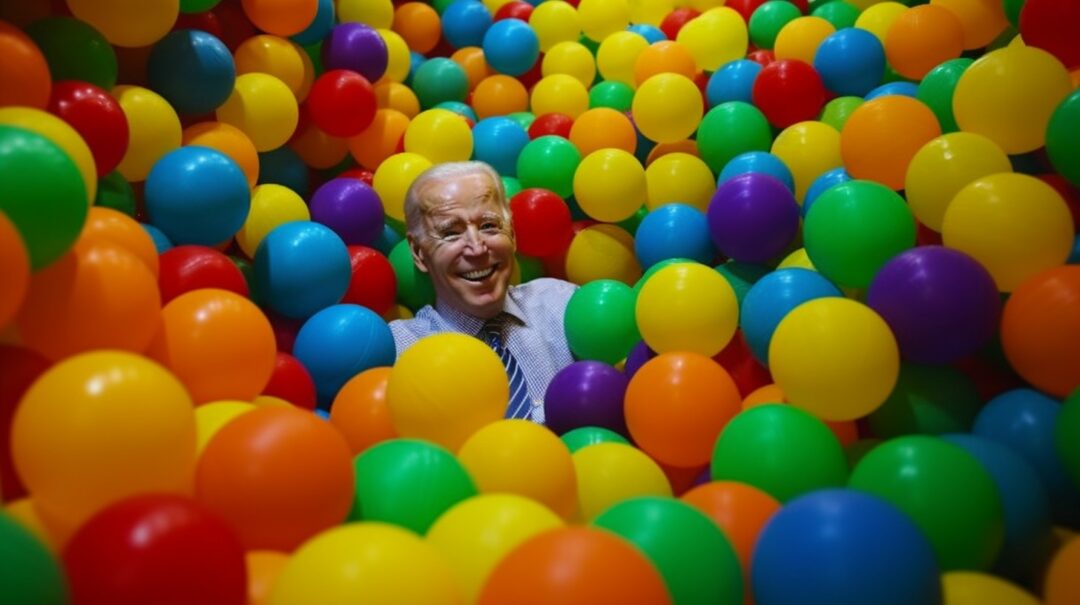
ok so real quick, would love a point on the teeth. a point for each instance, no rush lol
(479, 274)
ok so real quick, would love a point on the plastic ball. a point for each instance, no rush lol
(617, 55)
(197, 195)
(96, 116)
(851, 62)
(511, 47)
(687, 307)
(281, 17)
(678, 178)
(440, 79)
(716, 37)
(264, 108)
(768, 19)
(418, 24)
(342, 103)
(558, 124)
(464, 23)
(980, 23)
(380, 139)
(15, 269)
(414, 287)
(673, 231)
(542, 222)
(666, 56)
(284, 167)
(1044, 24)
(393, 178)
(555, 22)
(729, 129)
(187, 268)
(882, 136)
(734, 81)
(1063, 151)
(600, 18)
(586, 394)
(228, 140)
(440, 136)
(499, 95)
(271, 206)
(329, 342)
(291, 382)
(571, 58)
(753, 217)
(610, 472)
(128, 23)
(27, 79)
(922, 38)
(877, 17)
(302, 267)
(772, 297)
(559, 93)
(609, 185)
(943, 166)
(360, 411)
(1036, 321)
(373, 284)
(667, 108)
(61, 134)
(789, 91)
(549, 162)
(600, 321)
(192, 70)
(349, 207)
(278, 57)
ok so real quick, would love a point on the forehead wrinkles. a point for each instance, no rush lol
(444, 198)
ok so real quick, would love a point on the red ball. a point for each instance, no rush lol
(1069, 192)
(1051, 26)
(535, 73)
(96, 116)
(285, 330)
(155, 548)
(747, 372)
(745, 7)
(373, 284)
(762, 57)
(542, 222)
(19, 368)
(187, 268)
(789, 91)
(292, 382)
(362, 174)
(342, 103)
(514, 10)
(676, 19)
(205, 21)
(551, 123)
(235, 26)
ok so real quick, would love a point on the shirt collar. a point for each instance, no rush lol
(470, 324)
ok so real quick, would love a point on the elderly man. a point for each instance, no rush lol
(460, 232)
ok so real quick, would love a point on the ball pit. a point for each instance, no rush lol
(827, 311)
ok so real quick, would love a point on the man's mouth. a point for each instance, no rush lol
(480, 275)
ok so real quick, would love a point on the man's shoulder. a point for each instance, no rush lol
(545, 286)
(408, 331)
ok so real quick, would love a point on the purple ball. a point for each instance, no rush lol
(753, 217)
(940, 303)
(637, 358)
(350, 208)
(586, 393)
(356, 47)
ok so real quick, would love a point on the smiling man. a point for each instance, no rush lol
(460, 232)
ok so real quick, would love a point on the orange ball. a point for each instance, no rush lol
(677, 404)
(471, 59)
(664, 56)
(922, 38)
(24, 73)
(499, 95)
(739, 509)
(982, 20)
(846, 431)
(14, 270)
(380, 140)
(687, 146)
(1039, 327)
(883, 135)
(218, 343)
(114, 227)
(603, 128)
(419, 25)
(227, 139)
(1062, 585)
(278, 476)
(281, 17)
(575, 566)
(397, 96)
(317, 149)
(360, 412)
(263, 568)
(97, 296)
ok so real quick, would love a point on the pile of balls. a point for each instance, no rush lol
(826, 330)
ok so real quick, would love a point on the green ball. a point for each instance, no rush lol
(29, 573)
(409, 483)
(75, 50)
(42, 192)
(523, 118)
(197, 6)
(768, 19)
(414, 287)
(314, 52)
(441, 5)
(115, 192)
(247, 269)
(511, 185)
(854, 228)
(1062, 142)
(836, 112)
(1012, 11)
(630, 225)
(945, 491)
(929, 400)
(656, 267)
(689, 550)
(590, 435)
(1065, 431)
(600, 321)
(531, 268)
(439, 79)
(781, 450)
(549, 162)
(730, 129)
(936, 91)
(841, 14)
(741, 276)
(611, 94)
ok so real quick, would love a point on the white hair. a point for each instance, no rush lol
(414, 203)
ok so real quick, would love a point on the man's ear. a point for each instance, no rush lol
(417, 253)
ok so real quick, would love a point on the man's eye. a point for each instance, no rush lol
(490, 227)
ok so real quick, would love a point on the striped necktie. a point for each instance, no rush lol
(492, 334)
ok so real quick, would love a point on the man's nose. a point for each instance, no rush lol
(474, 241)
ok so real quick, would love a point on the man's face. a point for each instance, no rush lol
(465, 244)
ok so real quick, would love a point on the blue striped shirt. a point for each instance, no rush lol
(535, 336)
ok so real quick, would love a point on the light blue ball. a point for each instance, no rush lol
(511, 47)
(161, 241)
(907, 89)
(772, 297)
(674, 231)
(465, 22)
(340, 342)
(734, 81)
(651, 33)
(822, 184)
(499, 141)
(301, 268)
(757, 161)
(850, 61)
(319, 27)
(197, 195)
(192, 70)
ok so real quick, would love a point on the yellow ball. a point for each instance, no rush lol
(679, 177)
(878, 18)
(835, 358)
(667, 108)
(975, 588)
(687, 307)
(264, 108)
(275, 56)
(446, 387)
(602, 252)
(1015, 225)
(393, 178)
(572, 59)
(559, 93)
(376, 13)
(601, 18)
(651, 12)
(799, 259)
(609, 473)
(154, 130)
(943, 167)
(476, 533)
(399, 60)
(366, 564)
(617, 55)
(1008, 96)
(800, 38)
(396, 96)
(129, 23)
(229, 140)
(98, 427)
(809, 149)
(715, 37)
(609, 185)
(211, 417)
(524, 458)
(555, 21)
(439, 135)
(271, 206)
(64, 136)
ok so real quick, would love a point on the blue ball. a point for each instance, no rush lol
(465, 22)
(320, 27)
(499, 141)
(851, 61)
(772, 297)
(907, 89)
(651, 33)
(1074, 256)
(843, 547)
(511, 47)
(192, 70)
(197, 195)
(674, 231)
(387, 240)
(161, 241)
(734, 81)
(340, 342)
(462, 109)
(283, 166)
(415, 61)
(757, 161)
(301, 268)
(821, 184)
